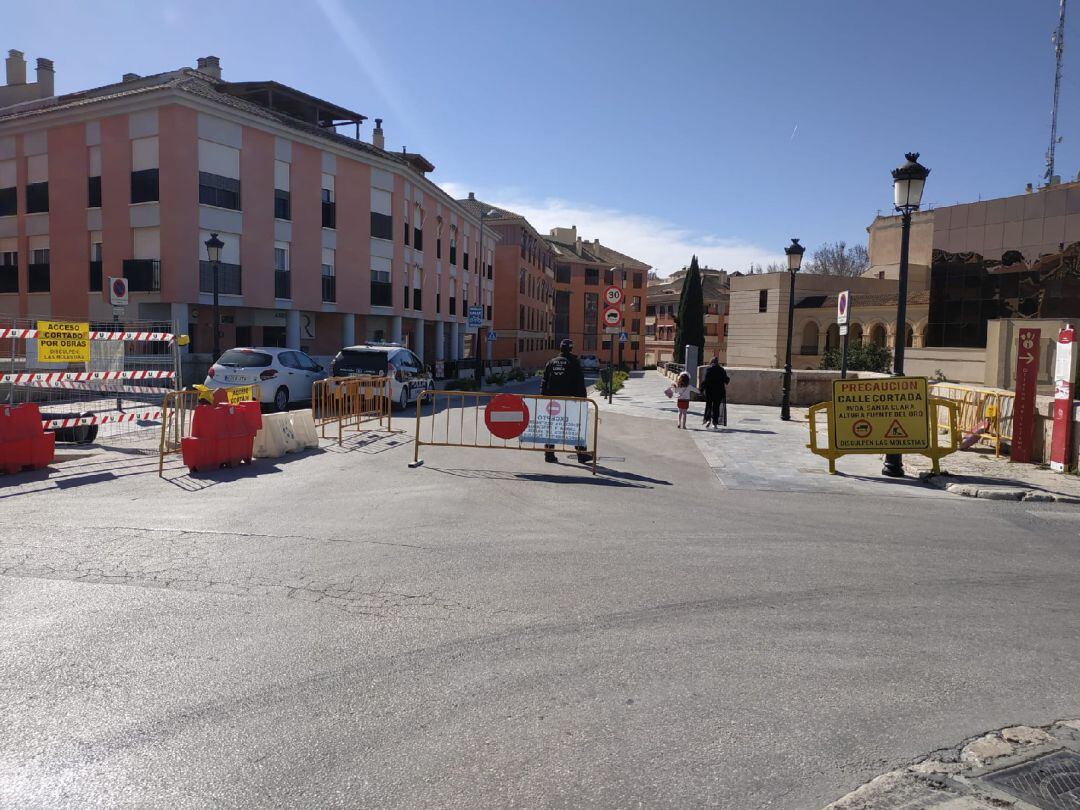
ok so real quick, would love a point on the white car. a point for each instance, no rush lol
(408, 376)
(590, 362)
(283, 375)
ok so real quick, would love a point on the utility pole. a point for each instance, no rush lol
(1058, 40)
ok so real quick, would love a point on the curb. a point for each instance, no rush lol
(954, 777)
(994, 492)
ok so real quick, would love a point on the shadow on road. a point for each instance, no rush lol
(584, 477)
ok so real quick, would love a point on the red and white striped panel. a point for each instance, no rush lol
(106, 387)
(83, 376)
(146, 337)
(145, 416)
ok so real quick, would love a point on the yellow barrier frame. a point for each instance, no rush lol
(935, 452)
(976, 405)
(350, 401)
(493, 443)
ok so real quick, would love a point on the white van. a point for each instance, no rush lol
(408, 376)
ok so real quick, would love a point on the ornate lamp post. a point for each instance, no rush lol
(213, 254)
(794, 253)
(908, 183)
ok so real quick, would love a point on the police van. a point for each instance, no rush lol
(408, 375)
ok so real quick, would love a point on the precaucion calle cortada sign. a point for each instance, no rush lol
(883, 415)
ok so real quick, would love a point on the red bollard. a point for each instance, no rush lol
(23, 442)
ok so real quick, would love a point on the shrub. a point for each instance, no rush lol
(517, 375)
(495, 379)
(617, 382)
(861, 357)
(461, 385)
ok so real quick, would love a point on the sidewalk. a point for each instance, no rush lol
(759, 451)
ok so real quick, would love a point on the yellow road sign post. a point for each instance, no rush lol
(883, 415)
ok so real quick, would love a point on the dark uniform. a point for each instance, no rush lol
(563, 377)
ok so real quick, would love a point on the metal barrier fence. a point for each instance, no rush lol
(349, 402)
(177, 410)
(451, 424)
(984, 412)
(935, 452)
(116, 395)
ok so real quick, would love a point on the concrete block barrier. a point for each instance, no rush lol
(286, 433)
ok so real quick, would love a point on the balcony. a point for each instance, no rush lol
(143, 275)
(382, 294)
(329, 289)
(229, 278)
(282, 284)
(95, 277)
(37, 277)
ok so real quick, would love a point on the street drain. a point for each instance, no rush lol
(1051, 782)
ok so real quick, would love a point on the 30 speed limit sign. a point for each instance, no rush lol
(613, 296)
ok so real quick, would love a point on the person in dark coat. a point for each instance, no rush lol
(563, 377)
(714, 387)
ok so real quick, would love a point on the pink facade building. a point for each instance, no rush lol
(329, 240)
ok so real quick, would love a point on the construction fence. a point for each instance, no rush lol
(351, 403)
(114, 394)
(985, 414)
(547, 424)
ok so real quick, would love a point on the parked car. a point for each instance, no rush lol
(408, 376)
(590, 362)
(283, 375)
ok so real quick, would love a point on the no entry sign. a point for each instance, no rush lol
(612, 317)
(506, 416)
(843, 308)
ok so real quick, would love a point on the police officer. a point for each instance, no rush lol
(563, 377)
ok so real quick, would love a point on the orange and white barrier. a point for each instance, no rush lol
(146, 337)
(48, 378)
(144, 416)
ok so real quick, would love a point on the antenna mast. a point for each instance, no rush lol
(1058, 41)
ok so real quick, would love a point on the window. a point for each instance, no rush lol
(609, 276)
(329, 282)
(282, 276)
(9, 270)
(144, 186)
(635, 303)
(635, 325)
(37, 275)
(562, 273)
(407, 230)
(637, 279)
(382, 221)
(382, 294)
(592, 309)
(329, 207)
(282, 204)
(230, 278)
(418, 228)
(521, 316)
(521, 283)
(93, 192)
(438, 248)
(763, 301)
(95, 262)
(143, 275)
(218, 191)
(37, 198)
(592, 275)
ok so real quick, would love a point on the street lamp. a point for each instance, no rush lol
(909, 181)
(794, 253)
(213, 253)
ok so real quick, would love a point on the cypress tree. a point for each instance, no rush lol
(690, 320)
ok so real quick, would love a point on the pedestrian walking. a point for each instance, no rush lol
(681, 392)
(714, 387)
(563, 377)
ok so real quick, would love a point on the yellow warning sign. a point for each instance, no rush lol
(240, 393)
(884, 415)
(63, 342)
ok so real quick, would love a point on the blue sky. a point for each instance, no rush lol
(662, 128)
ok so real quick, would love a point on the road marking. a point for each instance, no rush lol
(1055, 515)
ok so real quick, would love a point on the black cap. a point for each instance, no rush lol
(567, 345)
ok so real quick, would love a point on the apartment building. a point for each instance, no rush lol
(329, 239)
(524, 317)
(583, 269)
(662, 304)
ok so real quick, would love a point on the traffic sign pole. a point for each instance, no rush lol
(843, 318)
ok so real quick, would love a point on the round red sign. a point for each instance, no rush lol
(612, 316)
(553, 407)
(506, 416)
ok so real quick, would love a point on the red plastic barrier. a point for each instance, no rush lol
(221, 435)
(23, 442)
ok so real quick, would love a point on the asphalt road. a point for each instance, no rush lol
(489, 630)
